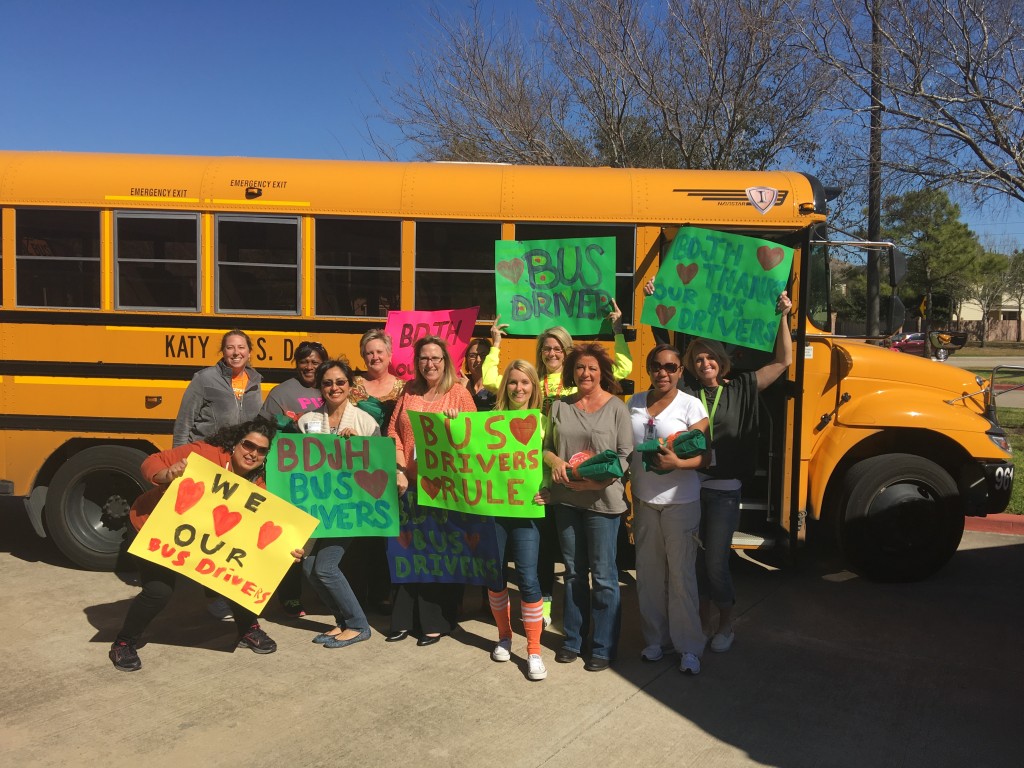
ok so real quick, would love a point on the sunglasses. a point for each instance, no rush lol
(666, 367)
(251, 447)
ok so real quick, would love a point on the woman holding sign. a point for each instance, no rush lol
(519, 537)
(430, 608)
(666, 513)
(587, 511)
(731, 403)
(376, 390)
(323, 566)
(552, 347)
(242, 449)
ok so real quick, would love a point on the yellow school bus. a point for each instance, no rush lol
(121, 272)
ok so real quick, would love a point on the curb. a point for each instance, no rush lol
(1011, 525)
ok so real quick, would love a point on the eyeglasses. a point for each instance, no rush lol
(250, 447)
(549, 350)
(471, 354)
(666, 367)
(434, 360)
(328, 383)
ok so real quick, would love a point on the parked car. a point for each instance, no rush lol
(944, 343)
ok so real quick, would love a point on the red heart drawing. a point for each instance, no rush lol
(224, 520)
(473, 540)
(664, 313)
(523, 429)
(687, 273)
(268, 534)
(405, 539)
(511, 270)
(769, 258)
(374, 483)
(432, 487)
(189, 492)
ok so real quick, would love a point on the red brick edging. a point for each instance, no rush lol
(1002, 523)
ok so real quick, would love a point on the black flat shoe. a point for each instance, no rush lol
(565, 656)
(395, 637)
(427, 640)
(597, 664)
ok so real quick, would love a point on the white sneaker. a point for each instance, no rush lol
(689, 664)
(537, 669)
(652, 653)
(502, 651)
(722, 641)
(219, 609)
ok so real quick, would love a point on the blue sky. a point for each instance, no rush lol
(222, 77)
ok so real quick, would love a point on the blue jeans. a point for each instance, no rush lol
(720, 517)
(519, 541)
(589, 542)
(331, 586)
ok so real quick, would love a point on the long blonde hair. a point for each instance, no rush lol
(524, 367)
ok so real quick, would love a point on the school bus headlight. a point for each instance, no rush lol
(1001, 442)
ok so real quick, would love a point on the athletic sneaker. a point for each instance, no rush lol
(124, 656)
(689, 664)
(219, 609)
(546, 608)
(652, 653)
(502, 651)
(722, 641)
(537, 670)
(257, 640)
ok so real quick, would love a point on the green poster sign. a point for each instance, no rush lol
(481, 463)
(541, 283)
(347, 483)
(720, 286)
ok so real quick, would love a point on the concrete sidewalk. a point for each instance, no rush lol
(827, 670)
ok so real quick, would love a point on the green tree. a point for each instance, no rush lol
(986, 286)
(1015, 285)
(941, 249)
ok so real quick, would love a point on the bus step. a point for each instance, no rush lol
(741, 540)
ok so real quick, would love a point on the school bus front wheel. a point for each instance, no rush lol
(902, 519)
(88, 500)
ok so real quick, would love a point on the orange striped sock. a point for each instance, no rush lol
(502, 613)
(533, 624)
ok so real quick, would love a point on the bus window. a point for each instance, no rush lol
(258, 264)
(455, 266)
(358, 267)
(625, 252)
(58, 258)
(157, 261)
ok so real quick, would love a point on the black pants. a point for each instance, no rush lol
(157, 587)
(550, 551)
(426, 608)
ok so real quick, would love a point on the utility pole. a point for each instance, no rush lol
(874, 170)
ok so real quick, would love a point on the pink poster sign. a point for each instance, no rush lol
(455, 326)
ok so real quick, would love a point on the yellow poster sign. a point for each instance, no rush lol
(224, 532)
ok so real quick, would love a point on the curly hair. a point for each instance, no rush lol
(228, 437)
(604, 362)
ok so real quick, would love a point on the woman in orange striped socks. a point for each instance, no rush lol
(519, 539)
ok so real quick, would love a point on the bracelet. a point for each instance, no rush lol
(401, 471)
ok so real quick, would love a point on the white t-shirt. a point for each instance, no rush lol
(681, 486)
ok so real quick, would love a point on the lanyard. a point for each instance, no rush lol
(711, 410)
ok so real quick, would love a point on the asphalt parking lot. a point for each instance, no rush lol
(827, 670)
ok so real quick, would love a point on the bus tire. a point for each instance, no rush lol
(901, 520)
(87, 504)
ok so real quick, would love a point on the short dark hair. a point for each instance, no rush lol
(307, 348)
(228, 437)
(326, 365)
(653, 354)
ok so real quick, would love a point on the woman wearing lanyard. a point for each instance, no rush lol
(732, 408)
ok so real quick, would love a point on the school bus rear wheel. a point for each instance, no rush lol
(87, 504)
(902, 518)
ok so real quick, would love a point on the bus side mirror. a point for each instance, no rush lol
(893, 315)
(897, 267)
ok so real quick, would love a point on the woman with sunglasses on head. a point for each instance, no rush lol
(553, 345)
(292, 398)
(427, 608)
(241, 449)
(519, 539)
(666, 514)
(322, 567)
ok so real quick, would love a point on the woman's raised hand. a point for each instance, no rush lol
(497, 331)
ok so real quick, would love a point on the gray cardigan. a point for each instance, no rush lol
(210, 404)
